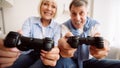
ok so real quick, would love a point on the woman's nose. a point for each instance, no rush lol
(49, 8)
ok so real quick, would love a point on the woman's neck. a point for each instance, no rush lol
(45, 22)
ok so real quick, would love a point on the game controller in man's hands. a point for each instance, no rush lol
(75, 41)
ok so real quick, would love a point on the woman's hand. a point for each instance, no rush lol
(51, 57)
(7, 55)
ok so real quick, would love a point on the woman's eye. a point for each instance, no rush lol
(53, 6)
(45, 4)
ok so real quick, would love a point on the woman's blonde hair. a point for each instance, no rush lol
(40, 4)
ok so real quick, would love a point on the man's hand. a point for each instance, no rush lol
(66, 50)
(100, 53)
(7, 55)
(50, 58)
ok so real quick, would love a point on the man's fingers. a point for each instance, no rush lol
(98, 53)
(68, 34)
(20, 31)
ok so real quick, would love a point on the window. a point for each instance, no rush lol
(2, 21)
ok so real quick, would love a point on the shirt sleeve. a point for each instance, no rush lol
(95, 30)
(26, 28)
(64, 30)
(57, 36)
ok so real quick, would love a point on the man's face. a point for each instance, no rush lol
(78, 16)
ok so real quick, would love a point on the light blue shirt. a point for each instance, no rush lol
(82, 52)
(32, 27)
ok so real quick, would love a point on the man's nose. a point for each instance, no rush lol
(78, 18)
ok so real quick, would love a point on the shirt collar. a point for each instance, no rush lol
(38, 22)
(86, 26)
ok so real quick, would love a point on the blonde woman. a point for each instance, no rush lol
(39, 27)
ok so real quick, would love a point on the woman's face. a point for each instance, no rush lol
(48, 9)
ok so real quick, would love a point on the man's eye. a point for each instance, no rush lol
(74, 14)
(82, 13)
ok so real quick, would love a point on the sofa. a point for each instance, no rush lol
(114, 53)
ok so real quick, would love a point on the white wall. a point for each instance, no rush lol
(15, 16)
(117, 23)
(107, 12)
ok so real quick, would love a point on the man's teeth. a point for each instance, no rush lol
(77, 23)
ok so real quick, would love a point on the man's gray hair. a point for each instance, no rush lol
(78, 3)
